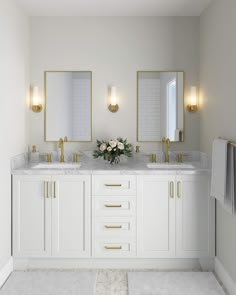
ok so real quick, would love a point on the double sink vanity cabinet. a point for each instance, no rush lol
(113, 215)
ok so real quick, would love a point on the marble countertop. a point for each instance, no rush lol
(136, 165)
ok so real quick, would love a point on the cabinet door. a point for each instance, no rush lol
(194, 217)
(71, 216)
(156, 216)
(31, 216)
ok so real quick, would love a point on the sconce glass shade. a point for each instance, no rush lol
(113, 107)
(193, 106)
(36, 105)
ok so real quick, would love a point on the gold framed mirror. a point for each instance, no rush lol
(68, 105)
(160, 106)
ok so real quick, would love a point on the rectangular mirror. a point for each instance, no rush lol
(160, 105)
(68, 103)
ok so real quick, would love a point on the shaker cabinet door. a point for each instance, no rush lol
(194, 217)
(71, 216)
(156, 216)
(31, 216)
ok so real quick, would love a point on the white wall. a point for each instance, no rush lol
(14, 77)
(114, 49)
(217, 78)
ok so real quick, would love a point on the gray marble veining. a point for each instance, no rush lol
(136, 165)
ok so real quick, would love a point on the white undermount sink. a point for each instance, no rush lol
(170, 165)
(57, 166)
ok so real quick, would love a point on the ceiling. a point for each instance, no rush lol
(114, 7)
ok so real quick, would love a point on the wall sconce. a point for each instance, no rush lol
(113, 106)
(35, 102)
(192, 106)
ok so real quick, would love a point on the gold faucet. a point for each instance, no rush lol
(61, 146)
(166, 142)
(49, 158)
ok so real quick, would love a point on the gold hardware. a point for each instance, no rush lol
(180, 158)
(178, 189)
(113, 248)
(113, 108)
(75, 158)
(113, 185)
(54, 189)
(34, 149)
(49, 158)
(137, 148)
(61, 146)
(37, 108)
(113, 226)
(192, 108)
(113, 206)
(154, 158)
(166, 142)
(172, 189)
(231, 143)
(46, 189)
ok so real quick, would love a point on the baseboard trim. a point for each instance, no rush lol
(207, 264)
(224, 277)
(6, 271)
(93, 263)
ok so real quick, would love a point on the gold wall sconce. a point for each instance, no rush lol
(36, 104)
(193, 105)
(113, 106)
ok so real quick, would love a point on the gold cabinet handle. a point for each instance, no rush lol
(113, 185)
(113, 248)
(46, 189)
(113, 206)
(172, 189)
(54, 189)
(113, 226)
(179, 189)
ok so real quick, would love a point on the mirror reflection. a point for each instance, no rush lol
(68, 103)
(160, 105)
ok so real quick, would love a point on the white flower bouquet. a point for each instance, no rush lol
(112, 150)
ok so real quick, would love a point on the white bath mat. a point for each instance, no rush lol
(50, 283)
(173, 283)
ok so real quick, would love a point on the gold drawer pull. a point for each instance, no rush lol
(113, 248)
(113, 226)
(113, 185)
(113, 206)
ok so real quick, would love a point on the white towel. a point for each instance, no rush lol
(219, 169)
(229, 201)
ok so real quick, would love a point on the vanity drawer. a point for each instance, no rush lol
(110, 185)
(113, 206)
(114, 227)
(115, 248)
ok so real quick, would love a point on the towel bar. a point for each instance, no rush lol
(230, 142)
